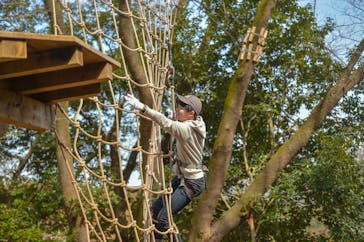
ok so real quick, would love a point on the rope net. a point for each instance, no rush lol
(105, 136)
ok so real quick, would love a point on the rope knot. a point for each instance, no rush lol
(76, 124)
(111, 5)
(169, 190)
(94, 99)
(94, 206)
(82, 164)
(99, 32)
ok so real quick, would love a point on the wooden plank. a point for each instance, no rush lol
(41, 42)
(25, 112)
(12, 50)
(46, 82)
(40, 62)
(69, 94)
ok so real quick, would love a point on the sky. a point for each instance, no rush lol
(328, 8)
(338, 10)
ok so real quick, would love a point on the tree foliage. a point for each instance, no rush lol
(318, 196)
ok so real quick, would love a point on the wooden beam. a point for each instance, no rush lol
(69, 94)
(46, 82)
(43, 42)
(25, 112)
(12, 50)
(40, 62)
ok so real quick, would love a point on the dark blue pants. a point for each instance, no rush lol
(181, 197)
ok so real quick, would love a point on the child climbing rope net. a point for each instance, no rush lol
(114, 199)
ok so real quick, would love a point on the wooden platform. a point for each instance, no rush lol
(45, 69)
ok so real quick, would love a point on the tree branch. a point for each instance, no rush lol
(222, 149)
(231, 218)
(23, 161)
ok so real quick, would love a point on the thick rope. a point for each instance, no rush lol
(152, 23)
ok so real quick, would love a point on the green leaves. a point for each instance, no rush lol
(32, 211)
(325, 187)
(337, 185)
(293, 74)
(18, 225)
(23, 15)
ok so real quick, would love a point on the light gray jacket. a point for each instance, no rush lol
(190, 136)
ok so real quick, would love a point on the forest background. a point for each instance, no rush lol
(291, 165)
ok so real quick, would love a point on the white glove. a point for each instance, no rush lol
(133, 101)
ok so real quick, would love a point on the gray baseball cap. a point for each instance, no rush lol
(191, 100)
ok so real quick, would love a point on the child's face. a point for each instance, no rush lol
(183, 114)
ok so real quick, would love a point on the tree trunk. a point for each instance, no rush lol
(65, 166)
(219, 162)
(77, 225)
(231, 218)
(133, 61)
(118, 174)
(134, 64)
